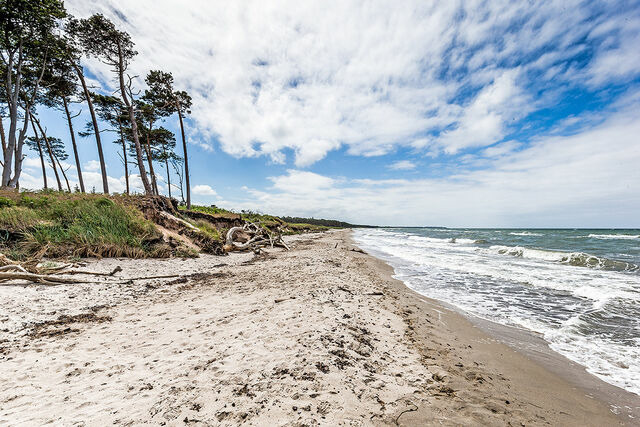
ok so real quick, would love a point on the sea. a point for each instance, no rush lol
(578, 288)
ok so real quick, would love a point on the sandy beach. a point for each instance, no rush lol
(319, 335)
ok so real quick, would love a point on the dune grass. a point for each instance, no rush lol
(59, 224)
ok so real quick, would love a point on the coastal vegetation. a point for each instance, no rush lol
(55, 224)
(43, 49)
(323, 222)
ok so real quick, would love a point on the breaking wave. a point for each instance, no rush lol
(581, 294)
(525, 233)
(576, 259)
(614, 236)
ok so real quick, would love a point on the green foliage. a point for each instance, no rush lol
(269, 221)
(322, 222)
(208, 229)
(100, 38)
(5, 202)
(28, 21)
(211, 210)
(17, 219)
(57, 146)
(78, 224)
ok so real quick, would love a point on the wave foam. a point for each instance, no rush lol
(614, 236)
(537, 289)
(525, 233)
(576, 259)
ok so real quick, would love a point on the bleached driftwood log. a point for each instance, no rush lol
(258, 237)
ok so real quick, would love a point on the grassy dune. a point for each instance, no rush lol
(59, 224)
(55, 224)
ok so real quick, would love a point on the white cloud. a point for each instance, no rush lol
(32, 162)
(91, 166)
(203, 190)
(402, 165)
(555, 182)
(618, 56)
(483, 122)
(501, 149)
(301, 182)
(267, 77)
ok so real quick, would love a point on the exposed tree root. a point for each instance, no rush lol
(253, 237)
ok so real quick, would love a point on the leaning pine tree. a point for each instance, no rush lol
(61, 89)
(101, 39)
(111, 110)
(161, 83)
(26, 37)
(75, 49)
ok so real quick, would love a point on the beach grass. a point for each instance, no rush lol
(60, 224)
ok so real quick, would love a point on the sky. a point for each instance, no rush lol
(456, 113)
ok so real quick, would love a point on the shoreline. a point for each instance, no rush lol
(534, 347)
(520, 348)
(319, 335)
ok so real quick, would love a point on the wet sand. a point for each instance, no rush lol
(320, 335)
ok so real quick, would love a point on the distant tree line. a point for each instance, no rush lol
(323, 222)
(42, 46)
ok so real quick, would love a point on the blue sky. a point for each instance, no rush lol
(513, 114)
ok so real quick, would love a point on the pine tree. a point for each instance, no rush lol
(26, 37)
(100, 38)
(179, 102)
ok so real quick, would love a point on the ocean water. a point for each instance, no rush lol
(580, 289)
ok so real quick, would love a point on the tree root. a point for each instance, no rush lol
(252, 237)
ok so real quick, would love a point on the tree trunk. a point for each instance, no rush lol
(166, 165)
(186, 161)
(73, 143)
(179, 174)
(87, 95)
(124, 156)
(4, 140)
(44, 171)
(64, 175)
(53, 160)
(13, 113)
(152, 173)
(17, 170)
(134, 125)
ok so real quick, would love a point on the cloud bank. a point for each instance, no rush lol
(311, 77)
(552, 183)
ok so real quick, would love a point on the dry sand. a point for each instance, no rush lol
(320, 335)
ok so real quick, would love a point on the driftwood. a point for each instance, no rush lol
(172, 219)
(253, 236)
(93, 273)
(166, 276)
(36, 278)
(15, 271)
(13, 267)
